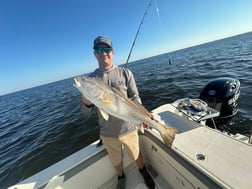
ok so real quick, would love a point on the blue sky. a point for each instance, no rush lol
(42, 41)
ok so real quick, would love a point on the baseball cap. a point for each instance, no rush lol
(102, 39)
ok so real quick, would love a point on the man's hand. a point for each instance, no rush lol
(85, 100)
(145, 125)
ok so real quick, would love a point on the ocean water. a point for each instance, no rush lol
(42, 125)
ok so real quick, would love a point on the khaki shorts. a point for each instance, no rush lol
(130, 142)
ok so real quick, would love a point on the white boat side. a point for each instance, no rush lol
(200, 157)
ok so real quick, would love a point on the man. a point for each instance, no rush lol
(116, 132)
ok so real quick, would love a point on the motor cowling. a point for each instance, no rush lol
(222, 94)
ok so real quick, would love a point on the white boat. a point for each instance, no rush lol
(200, 157)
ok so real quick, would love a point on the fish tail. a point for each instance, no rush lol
(167, 133)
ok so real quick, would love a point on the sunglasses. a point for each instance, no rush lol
(101, 50)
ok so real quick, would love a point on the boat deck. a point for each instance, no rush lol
(134, 180)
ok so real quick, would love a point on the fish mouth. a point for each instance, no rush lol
(77, 83)
(87, 87)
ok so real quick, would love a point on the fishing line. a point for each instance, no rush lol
(133, 44)
(157, 9)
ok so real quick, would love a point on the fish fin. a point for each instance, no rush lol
(104, 114)
(105, 100)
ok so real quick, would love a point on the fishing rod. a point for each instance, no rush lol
(133, 44)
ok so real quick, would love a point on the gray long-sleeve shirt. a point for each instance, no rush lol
(123, 80)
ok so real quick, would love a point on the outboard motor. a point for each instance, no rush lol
(222, 95)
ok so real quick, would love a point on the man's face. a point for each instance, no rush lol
(104, 56)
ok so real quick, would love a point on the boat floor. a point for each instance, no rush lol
(134, 180)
